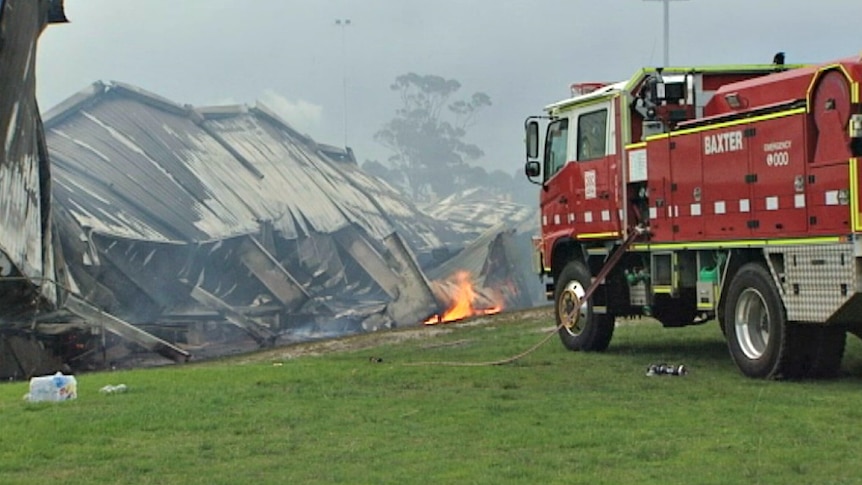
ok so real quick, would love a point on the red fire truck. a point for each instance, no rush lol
(700, 193)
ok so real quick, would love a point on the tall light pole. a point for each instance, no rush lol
(666, 28)
(343, 24)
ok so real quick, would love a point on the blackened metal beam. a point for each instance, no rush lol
(415, 301)
(262, 335)
(125, 330)
(272, 274)
(369, 259)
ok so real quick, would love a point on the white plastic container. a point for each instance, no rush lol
(58, 387)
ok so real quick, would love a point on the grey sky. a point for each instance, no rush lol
(524, 54)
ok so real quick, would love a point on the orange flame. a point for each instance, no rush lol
(462, 302)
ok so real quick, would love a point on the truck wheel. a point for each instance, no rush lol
(825, 349)
(579, 327)
(758, 336)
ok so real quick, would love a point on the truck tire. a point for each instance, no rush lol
(579, 328)
(823, 350)
(760, 341)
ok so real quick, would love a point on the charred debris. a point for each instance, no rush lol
(138, 231)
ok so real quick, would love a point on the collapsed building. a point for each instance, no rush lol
(27, 250)
(198, 231)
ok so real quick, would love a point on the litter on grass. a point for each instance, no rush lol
(109, 389)
(57, 387)
(666, 370)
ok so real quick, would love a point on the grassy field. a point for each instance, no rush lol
(359, 411)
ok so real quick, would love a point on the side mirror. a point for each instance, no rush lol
(532, 169)
(532, 139)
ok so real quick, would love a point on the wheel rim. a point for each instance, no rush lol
(572, 308)
(752, 323)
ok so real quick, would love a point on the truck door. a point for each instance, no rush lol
(595, 185)
(578, 199)
(556, 192)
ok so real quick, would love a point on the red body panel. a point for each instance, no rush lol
(775, 166)
(762, 91)
(786, 177)
(596, 198)
(581, 200)
(687, 187)
(831, 108)
(726, 195)
(828, 215)
(558, 207)
(752, 181)
(778, 160)
(776, 88)
(661, 217)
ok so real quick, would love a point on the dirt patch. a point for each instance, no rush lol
(377, 339)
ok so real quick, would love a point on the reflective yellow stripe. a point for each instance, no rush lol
(854, 92)
(598, 235)
(635, 146)
(808, 240)
(657, 137)
(855, 216)
(745, 121)
(742, 243)
(816, 77)
(625, 122)
(667, 290)
(674, 271)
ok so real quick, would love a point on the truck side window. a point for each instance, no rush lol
(556, 147)
(592, 134)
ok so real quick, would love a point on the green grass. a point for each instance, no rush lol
(552, 417)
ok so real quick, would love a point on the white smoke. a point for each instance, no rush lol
(301, 114)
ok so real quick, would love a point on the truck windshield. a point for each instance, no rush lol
(556, 145)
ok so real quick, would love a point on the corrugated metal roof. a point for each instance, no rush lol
(131, 164)
(146, 170)
(384, 209)
(292, 182)
(478, 209)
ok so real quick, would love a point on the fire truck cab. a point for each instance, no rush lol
(697, 193)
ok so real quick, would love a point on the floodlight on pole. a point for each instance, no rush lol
(343, 24)
(666, 6)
